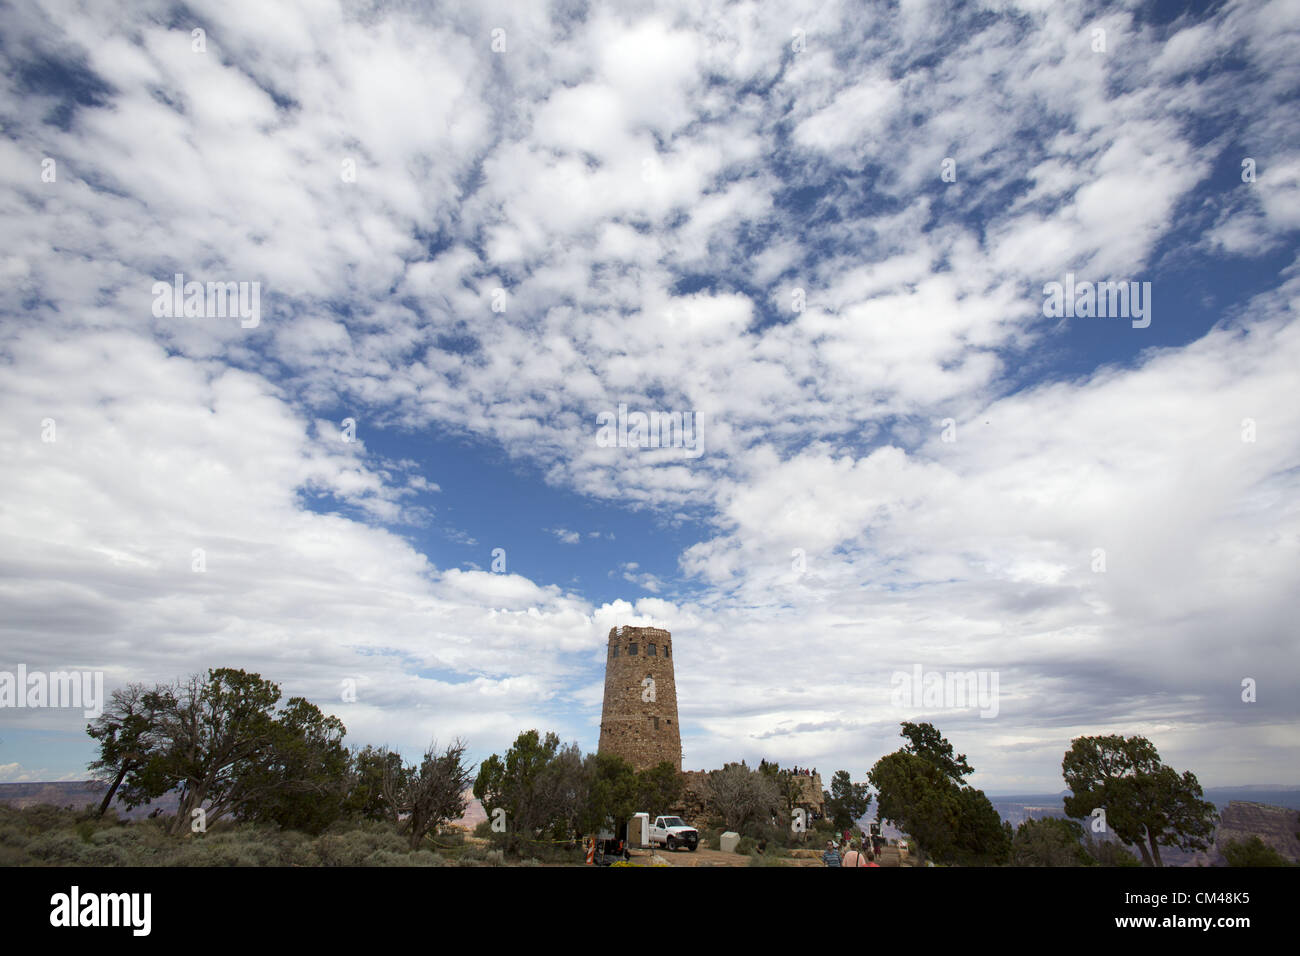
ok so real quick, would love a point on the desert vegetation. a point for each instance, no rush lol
(260, 782)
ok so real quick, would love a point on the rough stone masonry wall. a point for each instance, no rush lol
(810, 793)
(644, 733)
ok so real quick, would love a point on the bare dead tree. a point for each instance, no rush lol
(740, 795)
(425, 797)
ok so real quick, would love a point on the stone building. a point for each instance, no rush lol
(639, 719)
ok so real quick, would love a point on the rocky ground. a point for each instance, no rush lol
(705, 857)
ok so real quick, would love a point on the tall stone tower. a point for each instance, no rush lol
(639, 719)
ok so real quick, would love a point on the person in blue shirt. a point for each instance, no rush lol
(831, 857)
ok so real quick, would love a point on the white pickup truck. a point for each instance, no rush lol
(672, 832)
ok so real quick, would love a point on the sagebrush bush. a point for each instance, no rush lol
(11, 836)
(451, 836)
(56, 848)
(222, 852)
(42, 818)
(354, 847)
(107, 856)
(389, 858)
(118, 836)
(53, 836)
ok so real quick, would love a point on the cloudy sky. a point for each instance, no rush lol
(821, 230)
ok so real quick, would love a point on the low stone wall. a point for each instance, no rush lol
(693, 806)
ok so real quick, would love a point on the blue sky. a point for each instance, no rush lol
(821, 232)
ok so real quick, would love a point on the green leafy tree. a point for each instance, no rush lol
(1108, 852)
(924, 740)
(1252, 852)
(611, 793)
(365, 796)
(218, 742)
(982, 838)
(1049, 842)
(792, 794)
(565, 792)
(299, 780)
(795, 794)
(919, 789)
(129, 741)
(658, 788)
(846, 801)
(1147, 804)
(539, 785)
(918, 798)
(201, 735)
(216, 729)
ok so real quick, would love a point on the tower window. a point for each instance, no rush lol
(650, 651)
(631, 650)
(668, 650)
(613, 651)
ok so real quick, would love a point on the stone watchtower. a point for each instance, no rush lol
(639, 718)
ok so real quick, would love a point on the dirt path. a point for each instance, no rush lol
(706, 857)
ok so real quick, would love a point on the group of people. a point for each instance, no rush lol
(852, 850)
(805, 772)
